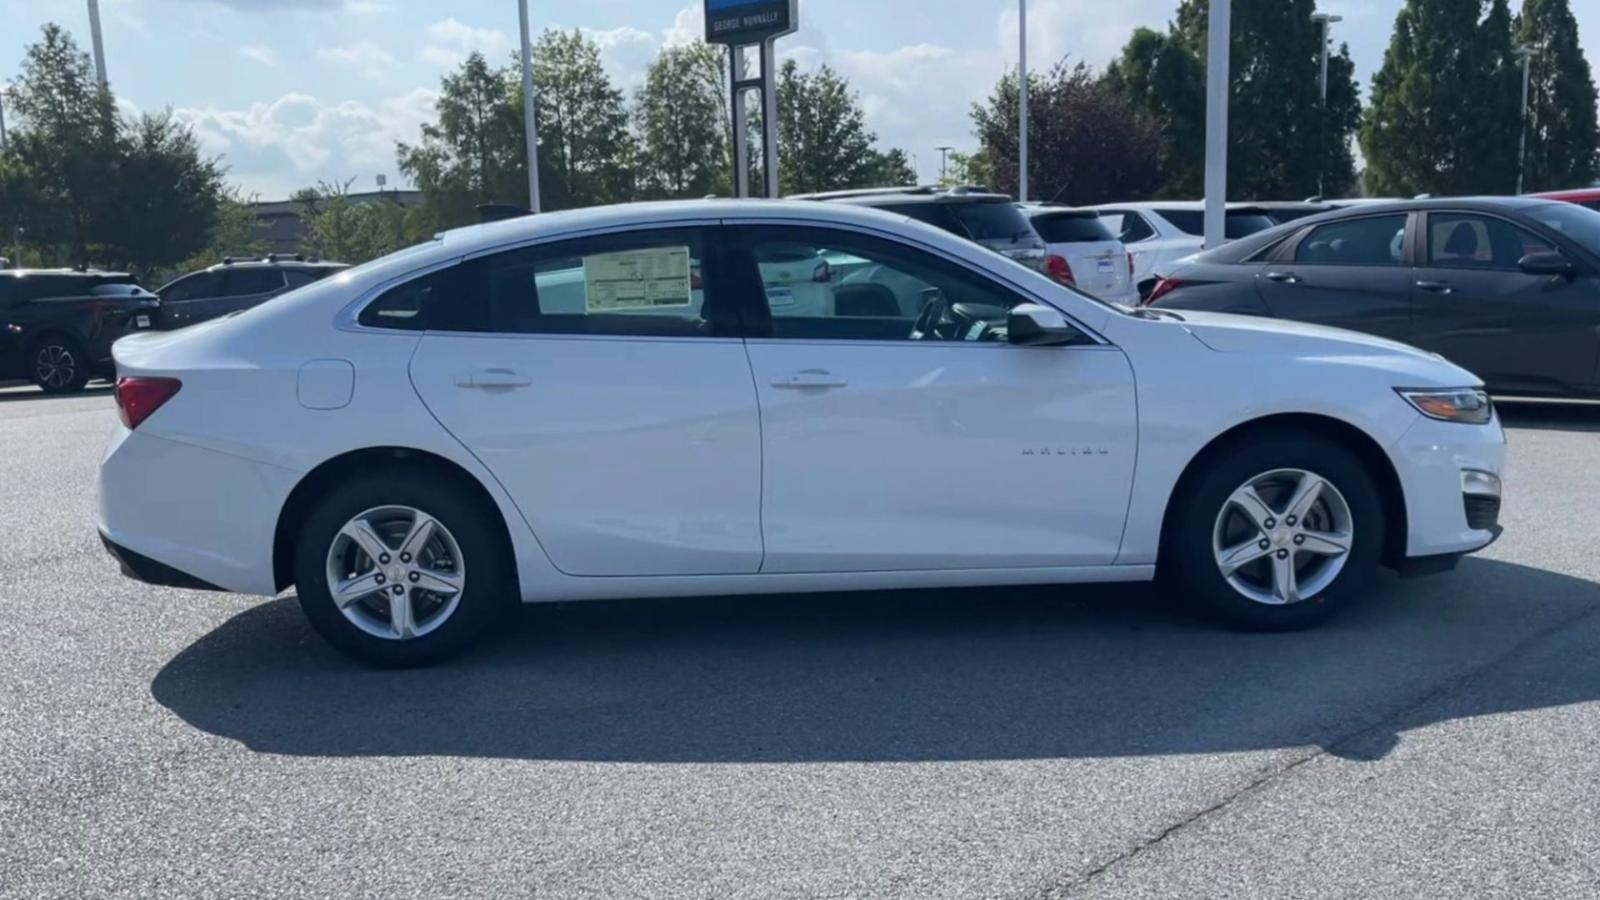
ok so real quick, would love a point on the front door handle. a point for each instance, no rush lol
(1436, 287)
(809, 379)
(492, 378)
(1283, 277)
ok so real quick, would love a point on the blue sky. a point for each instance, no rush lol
(291, 92)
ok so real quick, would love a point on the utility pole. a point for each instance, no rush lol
(1022, 84)
(1325, 20)
(99, 44)
(3, 89)
(529, 107)
(1526, 53)
(944, 162)
(1218, 43)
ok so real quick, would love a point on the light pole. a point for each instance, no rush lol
(3, 89)
(1022, 85)
(1218, 42)
(529, 106)
(944, 162)
(1526, 53)
(1326, 20)
(99, 45)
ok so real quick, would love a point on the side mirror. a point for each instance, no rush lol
(1546, 262)
(1035, 325)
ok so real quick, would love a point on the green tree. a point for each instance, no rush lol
(681, 116)
(1563, 135)
(586, 152)
(823, 137)
(967, 169)
(163, 199)
(1087, 142)
(355, 232)
(1444, 112)
(1282, 141)
(233, 233)
(475, 153)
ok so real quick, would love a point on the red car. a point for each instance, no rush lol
(1589, 197)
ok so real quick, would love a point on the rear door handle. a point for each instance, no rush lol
(809, 379)
(1283, 277)
(1436, 287)
(492, 378)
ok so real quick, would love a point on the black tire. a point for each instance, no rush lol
(1189, 567)
(490, 580)
(58, 365)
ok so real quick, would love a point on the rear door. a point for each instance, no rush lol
(244, 288)
(188, 300)
(1353, 273)
(603, 382)
(1476, 307)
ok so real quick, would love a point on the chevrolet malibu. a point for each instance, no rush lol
(629, 402)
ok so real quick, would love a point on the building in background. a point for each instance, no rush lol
(280, 226)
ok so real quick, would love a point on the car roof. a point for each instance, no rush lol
(276, 263)
(1041, 210)
(1182, 205)
(69, 273)
(1570, 195)
(909, 194)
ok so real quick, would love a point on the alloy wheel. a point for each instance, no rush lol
(55, 366)
(1283, 537)
(396, 572)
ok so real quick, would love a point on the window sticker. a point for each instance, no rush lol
(654, 278)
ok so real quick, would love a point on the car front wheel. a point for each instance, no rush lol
(1278, 535)
(401, 568)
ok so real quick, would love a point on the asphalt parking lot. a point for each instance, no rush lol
(1438, 741)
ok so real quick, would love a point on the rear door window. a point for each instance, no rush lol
(1235, 225)
(245, 282)
(1129, 227)
(1373, 241)
(196, 287)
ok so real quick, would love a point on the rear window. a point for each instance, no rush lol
(1235, 224)
(1068, 228)
(992, 221)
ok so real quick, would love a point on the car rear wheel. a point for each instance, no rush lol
(401, 568)
(58, 365)
(1278, 535)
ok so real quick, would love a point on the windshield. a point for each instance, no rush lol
(1579, 223)
(1236, 225)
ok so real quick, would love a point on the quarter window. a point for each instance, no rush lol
(1130, 226)
(826, 285)
(1374, 241)
(1463, 241)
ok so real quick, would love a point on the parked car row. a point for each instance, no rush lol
(57, 325)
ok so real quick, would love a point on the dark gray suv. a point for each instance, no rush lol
(977, 214)
(234, 285)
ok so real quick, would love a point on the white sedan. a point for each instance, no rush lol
(416, 443)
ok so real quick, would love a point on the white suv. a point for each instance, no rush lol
(1160, 233)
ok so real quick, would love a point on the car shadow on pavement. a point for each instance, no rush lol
(1550, 416)
(20, 392)
(892, 676)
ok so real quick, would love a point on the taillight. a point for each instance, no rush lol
(1058, 268)
(1163, 287)
(137, 398)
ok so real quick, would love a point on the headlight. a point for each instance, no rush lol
(1469, 406)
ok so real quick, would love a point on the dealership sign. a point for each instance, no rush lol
(740, 22)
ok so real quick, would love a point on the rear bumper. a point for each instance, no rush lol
(147, 570)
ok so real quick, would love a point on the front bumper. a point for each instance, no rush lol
(1451, 509)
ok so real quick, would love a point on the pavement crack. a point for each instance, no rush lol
(1338, 747)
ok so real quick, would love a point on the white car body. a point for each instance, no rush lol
(640, 466)
(1100, 264)
(1153, 239)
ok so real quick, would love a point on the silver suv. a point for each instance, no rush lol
(975, 213)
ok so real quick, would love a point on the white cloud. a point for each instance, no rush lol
(367, 59)
(450, 41)
(626, 52)
(260, 53)
(297, 140)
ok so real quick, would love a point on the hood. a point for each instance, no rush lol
(1226, 333)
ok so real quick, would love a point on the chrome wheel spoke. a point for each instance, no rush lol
(352, 590)
(1325, 543)
(1247, 501)
(368, 540)
(1285, 581)
(1305, 496)
(421, 532)
(445, 584)
(1230, 559)
(402, 623)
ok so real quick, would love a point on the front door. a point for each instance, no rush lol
(599, 384)
(1476, 307)
(1352, 273)
(904, 433)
